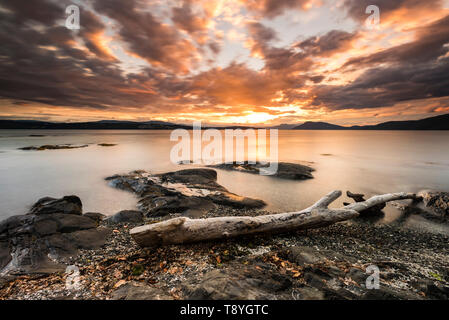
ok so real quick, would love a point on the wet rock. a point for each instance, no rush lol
(5, 253)
(55, 227)
(432, 289)
(436, 202)
(240, 283)
(358, 276)
(191, 192)
(285, 170)
(66, 205)
(124, 216)
(304, 255)
(134, 291)
(308, 293)
(107, 144)
(96, 216)
(385, 293)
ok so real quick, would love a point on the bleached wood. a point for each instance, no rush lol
(185, 230)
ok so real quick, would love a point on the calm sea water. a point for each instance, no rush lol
(370, 162)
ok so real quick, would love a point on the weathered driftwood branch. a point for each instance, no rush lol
(185, 230)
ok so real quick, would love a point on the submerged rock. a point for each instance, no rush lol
(107, 144)
(54, 227)
(436, 202)
(191, 192)
(285, 170)
(53, 147)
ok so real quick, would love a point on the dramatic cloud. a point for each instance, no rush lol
(416, 70)
(222, 61)
(150, 39)
(430, 43)
(383, 87)
(273, 8)
(330, 43)
(392, 10)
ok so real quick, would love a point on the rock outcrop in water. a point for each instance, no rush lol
(53, 147)
(285, 170)
(436, 202)
(53, 228)
(191, 192)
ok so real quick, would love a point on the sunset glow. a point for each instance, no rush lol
(224, 61)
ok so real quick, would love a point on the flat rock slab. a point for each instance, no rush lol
(191, 192)
(285, 170)
(54, 228)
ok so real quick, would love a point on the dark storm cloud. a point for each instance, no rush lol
(430, 43)
(275, 58)
(186, 19)
(273, 8)
(42, 65)
(261, 33)
(158, 43)
(42, 11)
(328, 44)
(215, 47)
(298, 57)
(382, 87)
(415, 70)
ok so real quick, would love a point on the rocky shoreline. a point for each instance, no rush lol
(324, 263)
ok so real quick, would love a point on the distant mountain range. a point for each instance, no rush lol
(433, 123)
(97, 125)
(101, 125)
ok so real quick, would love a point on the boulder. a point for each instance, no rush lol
(97, 217)
(432, 289)
(54, 228)
(126, 216)
(65, 205)
(436, 202)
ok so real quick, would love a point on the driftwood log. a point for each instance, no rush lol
(185, 230)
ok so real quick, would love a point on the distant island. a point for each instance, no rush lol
(434, 123)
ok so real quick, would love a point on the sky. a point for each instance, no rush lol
(224, 61)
